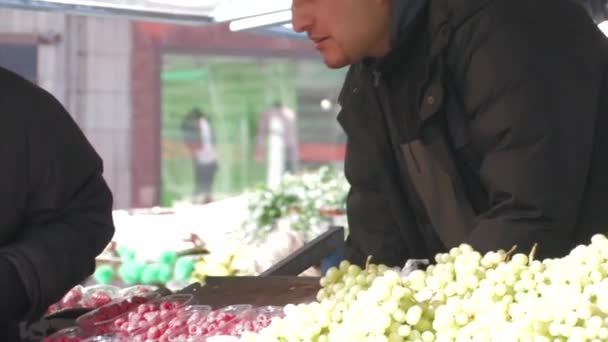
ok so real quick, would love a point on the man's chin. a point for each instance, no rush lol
(335, 63)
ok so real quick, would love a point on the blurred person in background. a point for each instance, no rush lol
(55, 207)
(200, 140)
(468, 121)
(277, 139)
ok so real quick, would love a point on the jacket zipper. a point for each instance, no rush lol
(376, 74)
(416, 165)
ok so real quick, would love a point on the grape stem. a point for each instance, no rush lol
(510, 253)
(532, 253)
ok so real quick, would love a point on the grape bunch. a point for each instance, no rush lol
(464, 296)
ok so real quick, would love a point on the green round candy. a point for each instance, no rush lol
(125, 253)
(131, 271)
(104, 274)
(184, 268)
(164, 274)
(168, 257)
(126, 275)
(150, 274)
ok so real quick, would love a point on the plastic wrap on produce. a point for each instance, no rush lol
(413, 265)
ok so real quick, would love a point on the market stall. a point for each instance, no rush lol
(232, 270)
(462, 296)
(102, 309)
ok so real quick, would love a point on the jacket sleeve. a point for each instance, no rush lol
(532, 89)
(68, 215)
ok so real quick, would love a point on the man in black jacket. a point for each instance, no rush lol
(477, 121)
(55, 207)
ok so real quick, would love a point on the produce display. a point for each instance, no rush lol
(167, 319)
(465, 296)
(200, 324)
(85, 297)
(151, 321)
(102, 320)
(301, 203)
(77, 335)
(251, 321)
(96, 296)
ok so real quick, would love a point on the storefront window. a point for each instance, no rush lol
(229, 123)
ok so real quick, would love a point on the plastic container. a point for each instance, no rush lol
(250, 321)
(222, 338)
(71, 300)
(99, 295)
(152, 319)
(73, 334)
(138, 290)
(200, 328)
(165, 331)
(106, 339)
(103, 320)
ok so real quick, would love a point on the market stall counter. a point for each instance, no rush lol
(222, 298)
(258, 291)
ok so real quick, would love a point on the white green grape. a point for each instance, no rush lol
(464, 296)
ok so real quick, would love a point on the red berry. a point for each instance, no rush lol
(154, 333)
(142, 309)
(152, 317)
(250, 326)
(167, 315)
(124, 327)
(100, 298)
(72, 298)
(133, 317)
(177, 322)
(195, 317)
(119, 322)
(132, 327)
(163, 326)
(227, 317)
(194, 330)
(139, 338)
(167, 305)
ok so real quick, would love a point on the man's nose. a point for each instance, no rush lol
(300, 19)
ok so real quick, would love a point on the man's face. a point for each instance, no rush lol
(344, 31)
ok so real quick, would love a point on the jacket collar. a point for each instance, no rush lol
(445, 16)
(403, 13)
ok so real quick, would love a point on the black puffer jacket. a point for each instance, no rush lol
(55, 207)
(486, 124)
